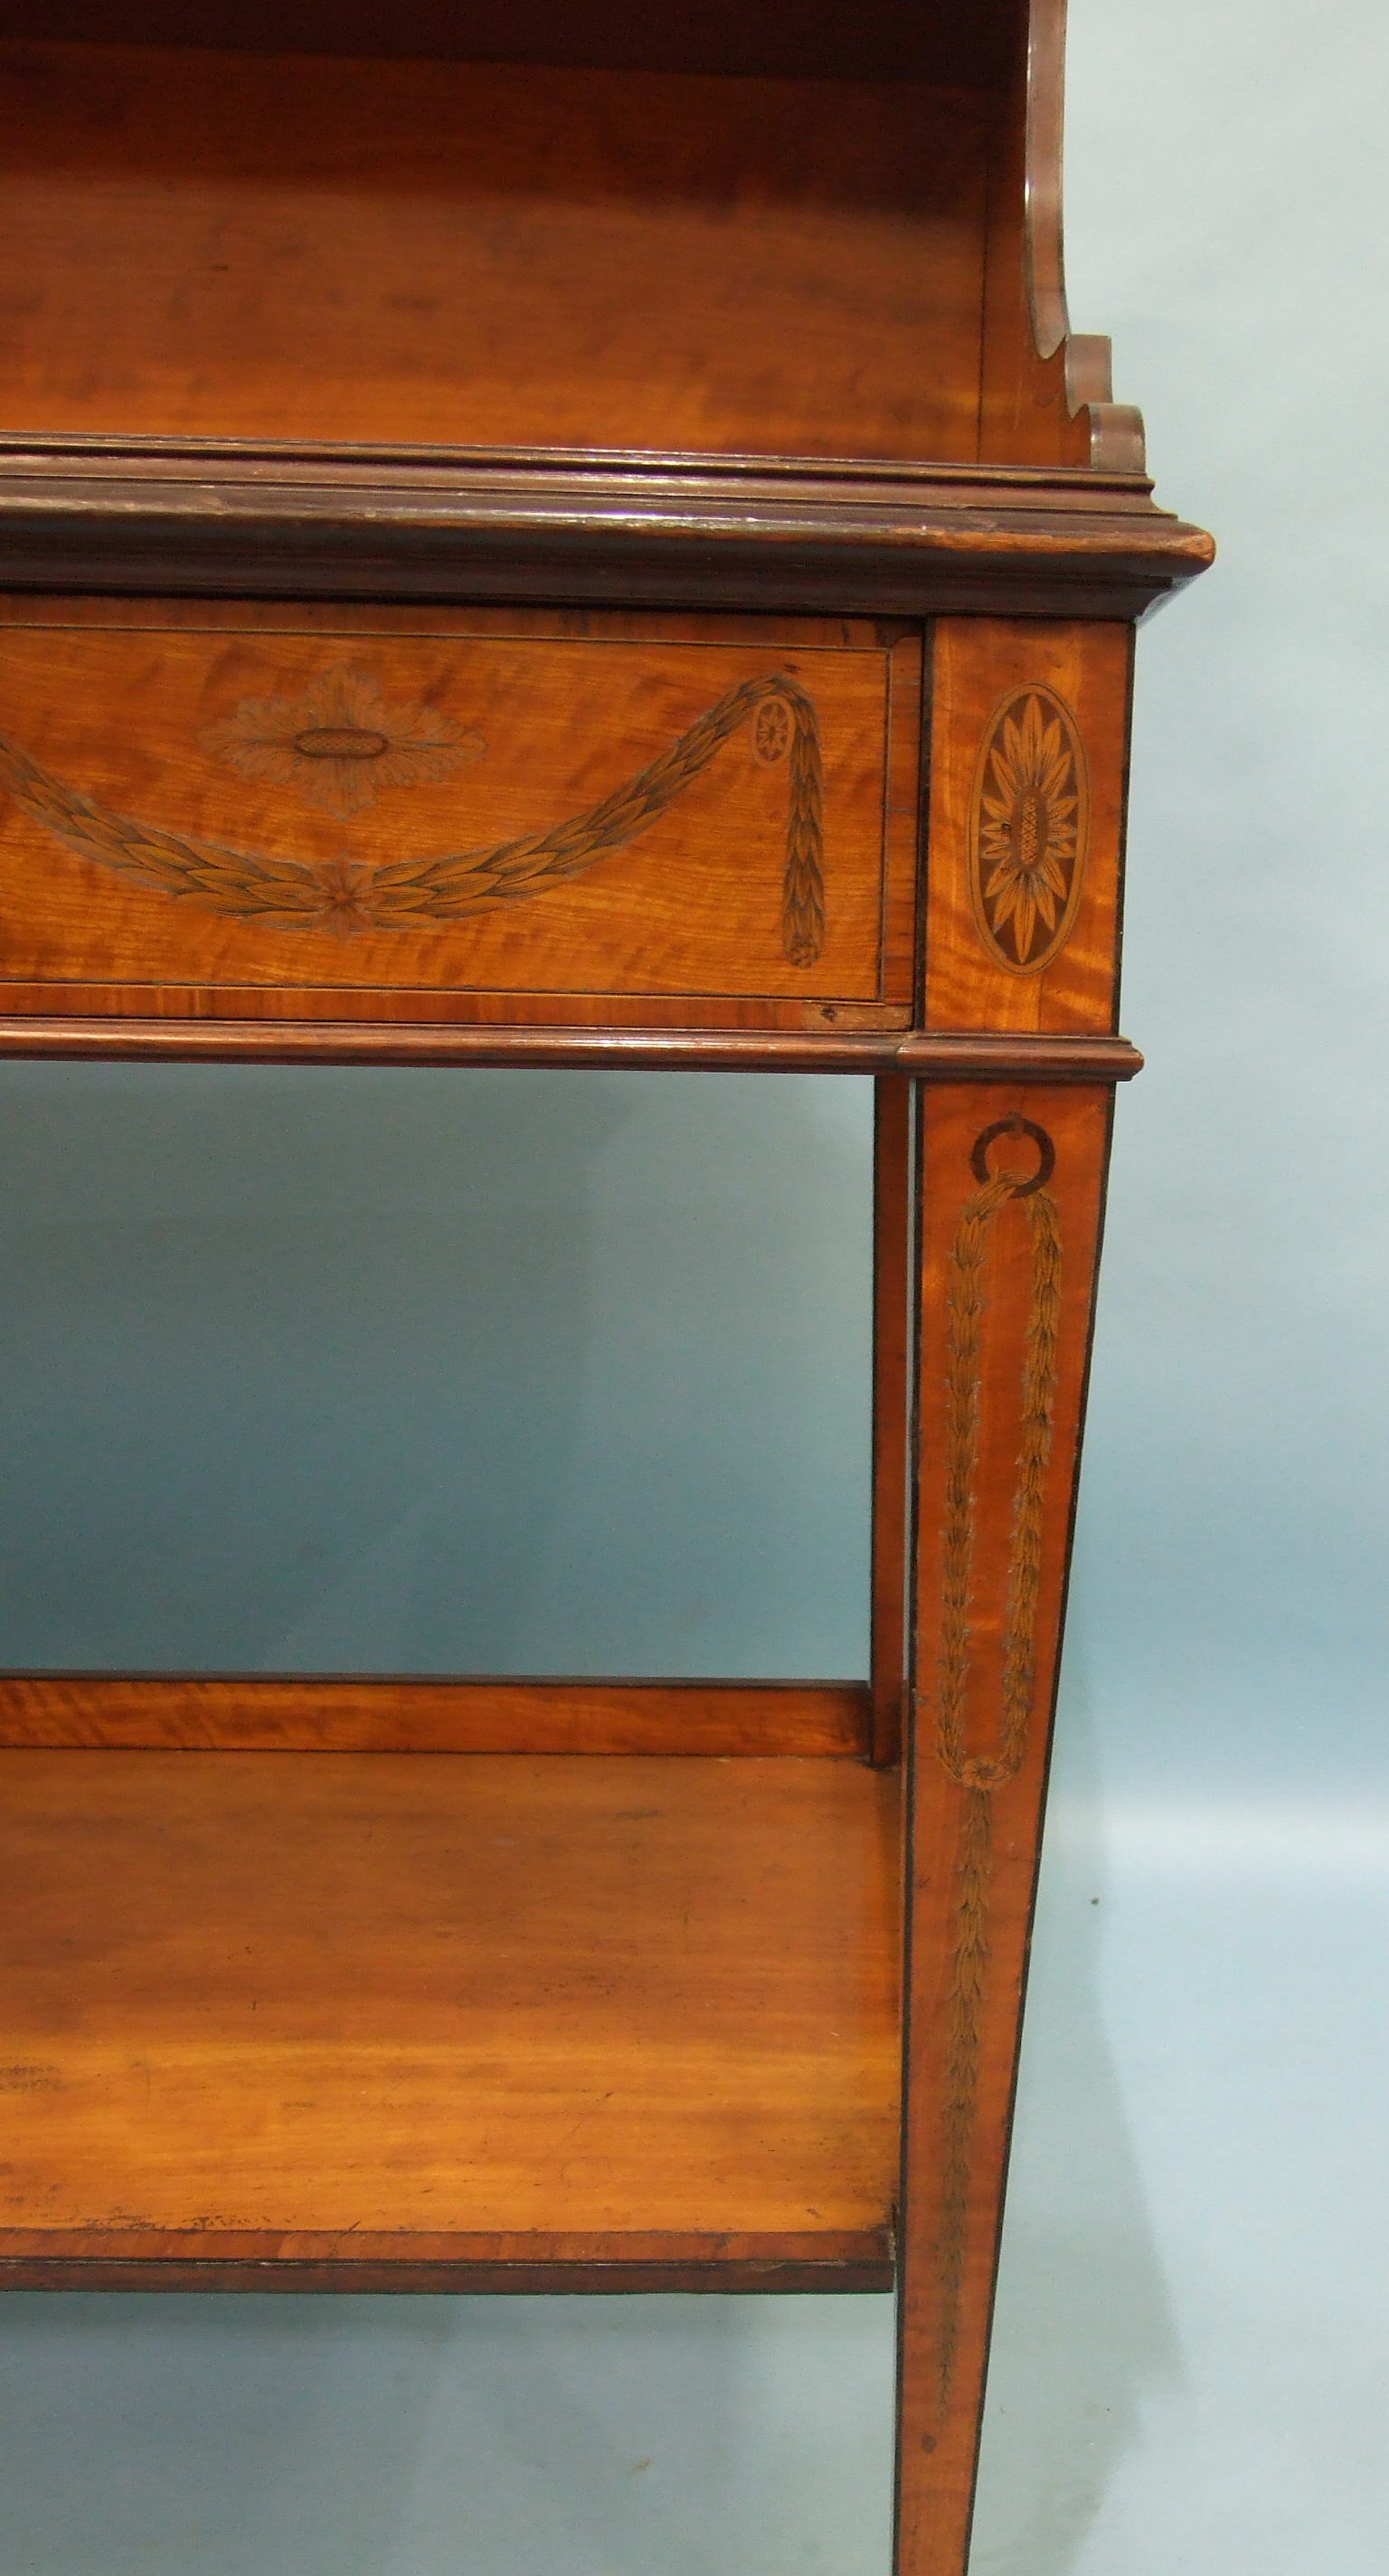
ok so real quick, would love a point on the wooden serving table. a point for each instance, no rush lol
(538, 536)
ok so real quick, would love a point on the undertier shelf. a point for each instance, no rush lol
(425, 2020)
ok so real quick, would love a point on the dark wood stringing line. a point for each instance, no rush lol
(872, 2269)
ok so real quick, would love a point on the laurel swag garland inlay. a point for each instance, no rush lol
(350, 895)
(979, 1775)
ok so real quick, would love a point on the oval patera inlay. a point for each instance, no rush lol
(340, 742)
(1028, 829)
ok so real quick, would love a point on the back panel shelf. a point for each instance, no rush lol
(215, 245)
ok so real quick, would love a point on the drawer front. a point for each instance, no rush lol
(282, 812)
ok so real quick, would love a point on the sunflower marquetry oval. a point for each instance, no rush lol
(1028, 829)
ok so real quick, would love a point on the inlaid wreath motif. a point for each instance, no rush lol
(1028, 829)
(351, 895)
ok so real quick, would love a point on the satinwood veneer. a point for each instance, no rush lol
(581, 536)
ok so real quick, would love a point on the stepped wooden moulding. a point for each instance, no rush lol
(571, 537)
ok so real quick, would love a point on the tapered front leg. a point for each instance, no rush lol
(1011, 1188)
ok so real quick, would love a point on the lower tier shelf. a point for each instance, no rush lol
(446, 2021)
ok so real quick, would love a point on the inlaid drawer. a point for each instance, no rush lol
(267, 811)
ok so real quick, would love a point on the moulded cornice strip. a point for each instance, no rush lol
(889, 539)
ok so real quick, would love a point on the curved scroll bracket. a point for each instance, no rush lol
(1107, 436)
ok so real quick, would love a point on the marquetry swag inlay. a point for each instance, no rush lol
(343, 742)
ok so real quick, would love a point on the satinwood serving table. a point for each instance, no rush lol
(575, 536)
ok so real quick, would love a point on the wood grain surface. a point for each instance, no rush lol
(1012, 1191)
(225, 810)
(264, 2005)
(989, 759)
(343, 1983)
(353, 1713)
(489, 254)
